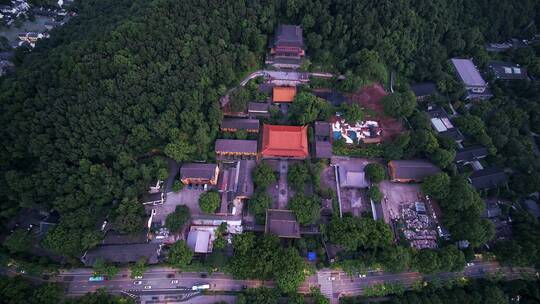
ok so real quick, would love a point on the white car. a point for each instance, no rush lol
(138, 277)
(362, 275)
(137, 283)
(331, 278)
(174, 282)
(147, 287)
(470, 264)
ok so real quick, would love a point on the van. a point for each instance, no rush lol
(200, 287)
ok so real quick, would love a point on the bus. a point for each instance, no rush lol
(97, 279)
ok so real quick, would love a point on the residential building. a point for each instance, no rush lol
(258, 109)
(284, 142)
(440, 121)
(155, 198)
(199, 174)
(283, 94)
(282, 223)
(488, 178)
(235, 149)
(235, 185)
(123, 253)
(237, 124)
(404, 171)
(423, 90)
(507, 70)
(470, 154)
(476, 87)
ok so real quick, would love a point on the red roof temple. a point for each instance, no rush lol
(284, 141)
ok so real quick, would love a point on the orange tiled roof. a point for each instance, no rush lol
(284, 141)
(283, 94)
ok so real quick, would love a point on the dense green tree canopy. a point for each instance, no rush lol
(353, 233)
(307, 209)
(176, 220)
(263, 176)
(375, 172)
(209, 201)
(180, 255)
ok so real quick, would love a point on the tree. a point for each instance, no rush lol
(375, 194)
(442, 158)
(209, 201)
(307, 210)
(129, 216)
(289, 270)
(176, 220)
(47, 294)
(180, 255)
(179, 147)
(19, 241)
(138, 269)
(353, 233)
(375, 172)
(399, 105)
(258, 204)
(437, 185)
(263, 176)
(261, 295)
(177, 186)
(298, 175)
(352, 112)
(427, 261)
(396, 258)
(307, 108)
(101, 267)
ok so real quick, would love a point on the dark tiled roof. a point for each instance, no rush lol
(282, 223)
(126, 253)
(453, 133)
(424, 88)
(488, 178)
(412, 169)
(289, 35)
(236, 145)
(240, 124)
(115, 238)
(286, 60)
(437, 112)
(322, 128)
(323, 149)
(470, 154)
(196, 170)
(507, 70)
(258, 106)
(245, 181)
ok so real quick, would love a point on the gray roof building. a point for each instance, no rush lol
(424, 89)
(488, 178)
(322, 129)
(258, 109)
(323, 149)
(468, 73)
(470, 154)
(199, 241)
(349, 178)
(507, 70)
(124, 253)
(239, 146)
(289, 35)
(282, 223)
(411, 170)
(198, 171)
(235, 124)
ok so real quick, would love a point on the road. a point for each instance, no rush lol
(333, 284)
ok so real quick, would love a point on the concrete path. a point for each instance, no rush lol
(283, 190)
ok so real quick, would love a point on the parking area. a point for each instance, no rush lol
(188, 197)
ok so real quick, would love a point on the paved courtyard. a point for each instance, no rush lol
(188, 197)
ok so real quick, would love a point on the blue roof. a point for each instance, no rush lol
(312, 256)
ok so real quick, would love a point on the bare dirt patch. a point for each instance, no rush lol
(369, 98)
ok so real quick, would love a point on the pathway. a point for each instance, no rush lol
(282, 184)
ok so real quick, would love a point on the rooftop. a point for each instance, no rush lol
(507, 70)
(198, 170)
(284, 141)
(282, 223)
(289, 35)
(240, 124)
(415, 170)
(488, 178)
(424, 88)
(236, 146)
(199, 241)
(352, 178)
(470, 154)
(323, 149)
(125, 253)
(322, 128)
(283, 94)
(468, 72)
(258, 107)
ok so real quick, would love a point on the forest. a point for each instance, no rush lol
(90, 112)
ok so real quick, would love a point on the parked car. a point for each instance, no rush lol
(138, 277)
(170, 275)
(204, 275)
(174, 282)
(137, 283)
(147, 287)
